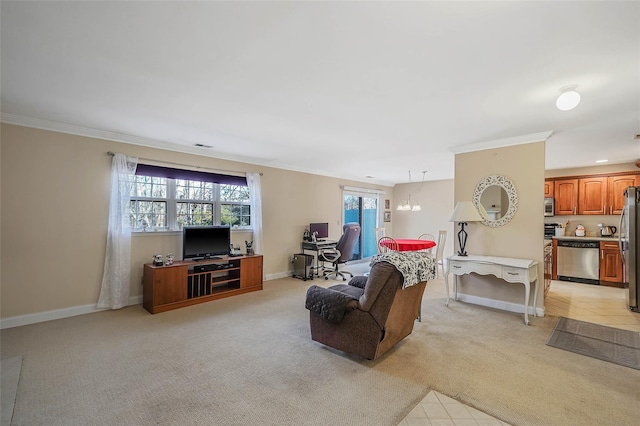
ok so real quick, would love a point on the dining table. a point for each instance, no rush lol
(407, 244)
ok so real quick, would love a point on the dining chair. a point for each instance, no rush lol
(442, 238)
(427, 237)
(387, 244)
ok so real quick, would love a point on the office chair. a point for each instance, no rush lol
(342, 252)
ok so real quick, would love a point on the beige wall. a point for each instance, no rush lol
(436, 200)
(522, 237)
(55, 195)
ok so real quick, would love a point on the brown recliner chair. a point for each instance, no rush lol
(368, 316)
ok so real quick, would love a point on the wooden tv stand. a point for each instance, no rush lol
(187, 283)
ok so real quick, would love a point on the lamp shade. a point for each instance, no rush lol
(465, 211)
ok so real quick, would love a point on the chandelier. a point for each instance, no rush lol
(407, 205)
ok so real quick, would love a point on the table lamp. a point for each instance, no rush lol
(464, 212)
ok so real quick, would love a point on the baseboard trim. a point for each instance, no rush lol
(500, 304)
(55, 314)
(278, 275)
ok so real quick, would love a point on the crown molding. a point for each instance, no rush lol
(501, 143)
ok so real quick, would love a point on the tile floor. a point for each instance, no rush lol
(438, 409)
(591, 303)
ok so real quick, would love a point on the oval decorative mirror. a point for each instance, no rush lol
(496, 200)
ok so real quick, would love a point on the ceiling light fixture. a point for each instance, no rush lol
(408, 205)
(568, 99)
(601, 161)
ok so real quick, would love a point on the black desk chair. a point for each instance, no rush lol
(342, 252)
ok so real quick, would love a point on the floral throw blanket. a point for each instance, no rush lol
(415, 266)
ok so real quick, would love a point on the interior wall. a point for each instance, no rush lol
(55, 193)
(436, 199)
(522, 237)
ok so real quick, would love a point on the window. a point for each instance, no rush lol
(160, 203)
(195, 202)
(148, 205)
(235, 208)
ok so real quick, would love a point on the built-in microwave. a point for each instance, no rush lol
(549, 207)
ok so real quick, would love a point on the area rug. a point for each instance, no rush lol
(609, 344)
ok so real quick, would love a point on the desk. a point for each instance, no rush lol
(317, 246)
(412, 245)
(524, 271)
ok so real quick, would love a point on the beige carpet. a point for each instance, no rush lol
(249, 360)
(9, 378)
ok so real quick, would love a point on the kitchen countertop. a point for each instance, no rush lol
(573, 237)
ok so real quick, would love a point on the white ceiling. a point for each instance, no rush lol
(345, 89)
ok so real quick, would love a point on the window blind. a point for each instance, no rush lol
(173, 173)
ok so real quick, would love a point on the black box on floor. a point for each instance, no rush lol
(303, 266)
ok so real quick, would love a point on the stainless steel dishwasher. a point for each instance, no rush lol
(578, 261)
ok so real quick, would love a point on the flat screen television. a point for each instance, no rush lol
(321, 228)
(205, 242)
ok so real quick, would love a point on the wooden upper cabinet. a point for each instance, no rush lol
(548, 188)
(616, 186)
(566, 196)
(592, 196)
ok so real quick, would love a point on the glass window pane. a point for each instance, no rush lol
(234, 193)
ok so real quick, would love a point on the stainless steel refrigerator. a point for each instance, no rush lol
(628, 240)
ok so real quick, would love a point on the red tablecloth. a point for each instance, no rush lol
(412, 245)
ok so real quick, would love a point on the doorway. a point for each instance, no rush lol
(363, 209)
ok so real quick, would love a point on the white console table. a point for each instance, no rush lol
(524, 271)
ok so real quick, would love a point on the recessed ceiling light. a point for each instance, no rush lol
(568, 99)
(601, 161)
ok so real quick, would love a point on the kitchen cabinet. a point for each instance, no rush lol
(592, 195)
(611, 270)
(615, 191)
(548, 188)
(554, 260)
(566, 196)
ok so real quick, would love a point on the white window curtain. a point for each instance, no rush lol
(255, 194)
(116, 278)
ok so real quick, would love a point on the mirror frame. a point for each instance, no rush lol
(505, 184)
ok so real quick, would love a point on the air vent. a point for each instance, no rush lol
(199, 145)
